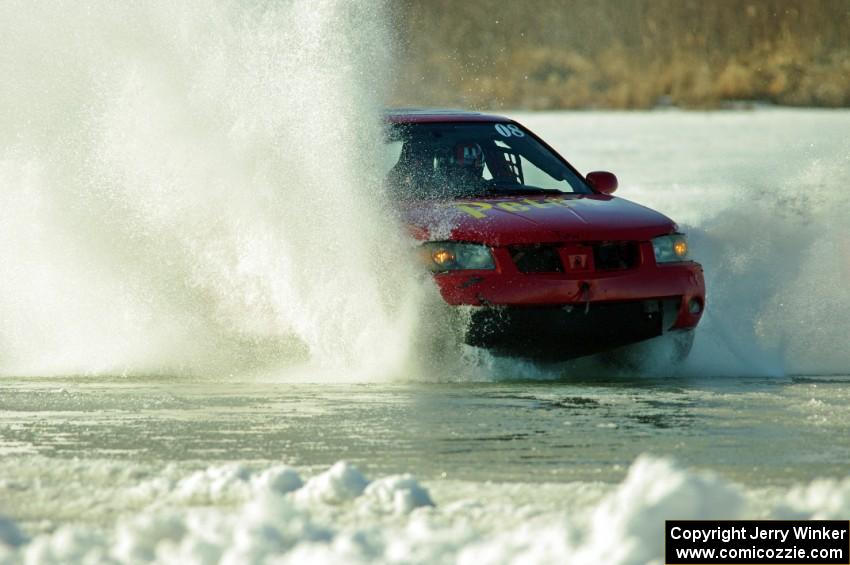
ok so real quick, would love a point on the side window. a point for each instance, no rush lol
(516, 166)
(537, 177)
(505, 163)
(486, 174)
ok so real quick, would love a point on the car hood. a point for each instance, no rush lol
(535, 219)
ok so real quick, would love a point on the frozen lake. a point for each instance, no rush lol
(495, 457)
(769, 431)
(519, 462)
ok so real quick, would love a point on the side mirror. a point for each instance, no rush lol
(602, 181)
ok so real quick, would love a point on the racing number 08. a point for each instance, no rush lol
(508, 130)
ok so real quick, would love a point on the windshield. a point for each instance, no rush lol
(442, 160)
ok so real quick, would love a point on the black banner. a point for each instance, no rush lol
(761, 542)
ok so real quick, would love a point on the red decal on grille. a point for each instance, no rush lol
(578, 261)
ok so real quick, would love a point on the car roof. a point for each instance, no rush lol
(431, 115)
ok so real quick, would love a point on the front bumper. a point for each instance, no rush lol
(682, 282)
(565, 332)
(575, 313)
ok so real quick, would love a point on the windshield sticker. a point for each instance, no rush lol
(509, 130)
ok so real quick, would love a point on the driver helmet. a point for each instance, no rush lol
(469, 155)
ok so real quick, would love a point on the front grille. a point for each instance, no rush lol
(615, 256)
(536, 259)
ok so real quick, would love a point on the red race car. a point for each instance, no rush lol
(549, 264)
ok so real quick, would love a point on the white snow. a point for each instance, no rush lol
(231, 514)
(823, 499)
(338, 484)
(397, 495)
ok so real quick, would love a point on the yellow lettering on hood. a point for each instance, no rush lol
(479, 209)
(474, 209)
(512, 206)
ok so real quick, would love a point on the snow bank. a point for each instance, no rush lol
(338, 484)
(823, 499)
(218, 484)
(396, 495)
(626, 527)
(654, 490)
(231, 514)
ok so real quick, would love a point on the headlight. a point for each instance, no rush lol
(670, 248)
(440, 256)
